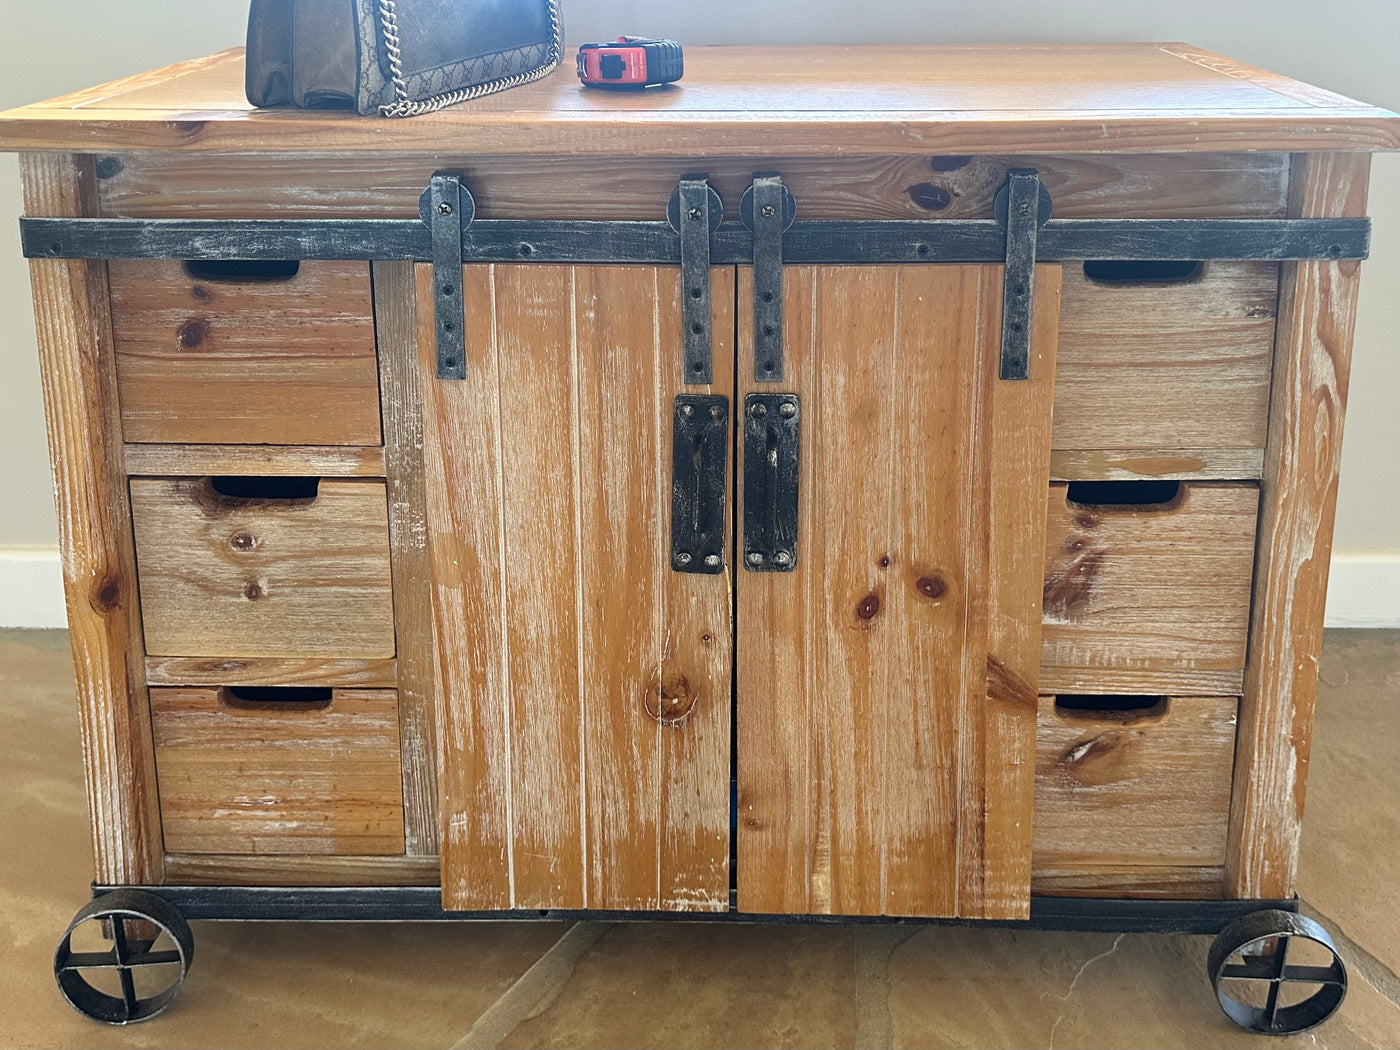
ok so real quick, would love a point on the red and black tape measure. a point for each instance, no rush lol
(630, 62)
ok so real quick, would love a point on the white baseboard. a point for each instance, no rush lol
(1363, 589)
(31, 588)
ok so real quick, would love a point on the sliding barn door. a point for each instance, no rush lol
(583, 686)
(886, 689)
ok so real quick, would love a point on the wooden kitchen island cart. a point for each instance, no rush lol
(882, 484)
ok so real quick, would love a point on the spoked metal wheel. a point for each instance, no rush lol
(139, 974)
(1277, 972)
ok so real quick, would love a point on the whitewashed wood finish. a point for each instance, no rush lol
(1317, 311)
(274, 670)
(396, 324)
(1162, 186)
(263, 460)
(1159, 464)
(280, 777)
(72, 323)
(1166, 366)
(583, 688)
(886, 686)
(1149, 588)
(245, 361)
(1147, 788)
(250, 578)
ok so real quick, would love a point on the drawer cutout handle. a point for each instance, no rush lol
(261, 270)
(1150, 495)
(1126, 272)
(265, 489)
(276, 698)
(1112, 708)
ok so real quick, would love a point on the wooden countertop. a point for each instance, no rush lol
(772, 101)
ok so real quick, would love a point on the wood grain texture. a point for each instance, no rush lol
(72, 323)
(583, 688)
(285, 460)
(875, 680)
(1317, 314)
(1137, 881)
(289, 869)
(797, 100)
(1162, 464)
(232, 577)
(396, 329)
(1156, 588)
(1134, 788)
(1180, 681)
(1163, 186)
(252, 362)
(276, 671)
(1167, 366)
(279, 777)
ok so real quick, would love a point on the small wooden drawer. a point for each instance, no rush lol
(248, 567)
(1147, 586)
(1132, 795)
(295, 770)
(250, 354)
(1164, 356)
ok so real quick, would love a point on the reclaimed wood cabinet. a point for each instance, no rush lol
(922, 513)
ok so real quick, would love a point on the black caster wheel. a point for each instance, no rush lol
(137, 977)
(1277, 972)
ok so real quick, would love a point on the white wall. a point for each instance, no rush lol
(1351, 47)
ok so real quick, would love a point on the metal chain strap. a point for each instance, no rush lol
(403, 106)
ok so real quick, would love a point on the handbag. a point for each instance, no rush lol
(398, 58)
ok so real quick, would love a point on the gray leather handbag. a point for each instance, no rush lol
(400, 58)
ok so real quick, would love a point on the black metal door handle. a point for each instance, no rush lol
(771, 445)
(699, 462)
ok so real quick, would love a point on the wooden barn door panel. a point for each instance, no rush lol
(583, 687)
(886, 688)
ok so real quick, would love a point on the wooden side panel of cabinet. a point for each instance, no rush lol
(72, 321)
(886, 687)
(583, 688)
(1302, 463)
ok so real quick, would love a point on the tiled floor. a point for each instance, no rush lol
(679, 985)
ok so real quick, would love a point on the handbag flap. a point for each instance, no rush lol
(438, 33)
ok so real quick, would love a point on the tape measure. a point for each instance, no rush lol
(630, 62)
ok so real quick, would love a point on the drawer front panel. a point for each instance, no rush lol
(1133, 590)
(1162, 365)
(276, 361)
(1119, 792)
(279, 771)
(238, 576)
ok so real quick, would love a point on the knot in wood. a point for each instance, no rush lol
(931, 587)
(670, 699)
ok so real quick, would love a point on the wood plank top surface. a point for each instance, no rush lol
(756, 101)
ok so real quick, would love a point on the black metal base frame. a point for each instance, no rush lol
(424, 904)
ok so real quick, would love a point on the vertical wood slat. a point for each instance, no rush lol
(897, 666)
(583, 687)
(396, 338)
(467, 562)
(1302, 460)
(996, 884)
(73, 325)
(697, 644)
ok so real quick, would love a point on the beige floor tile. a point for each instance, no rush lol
(705, 985)
(1349, 868)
